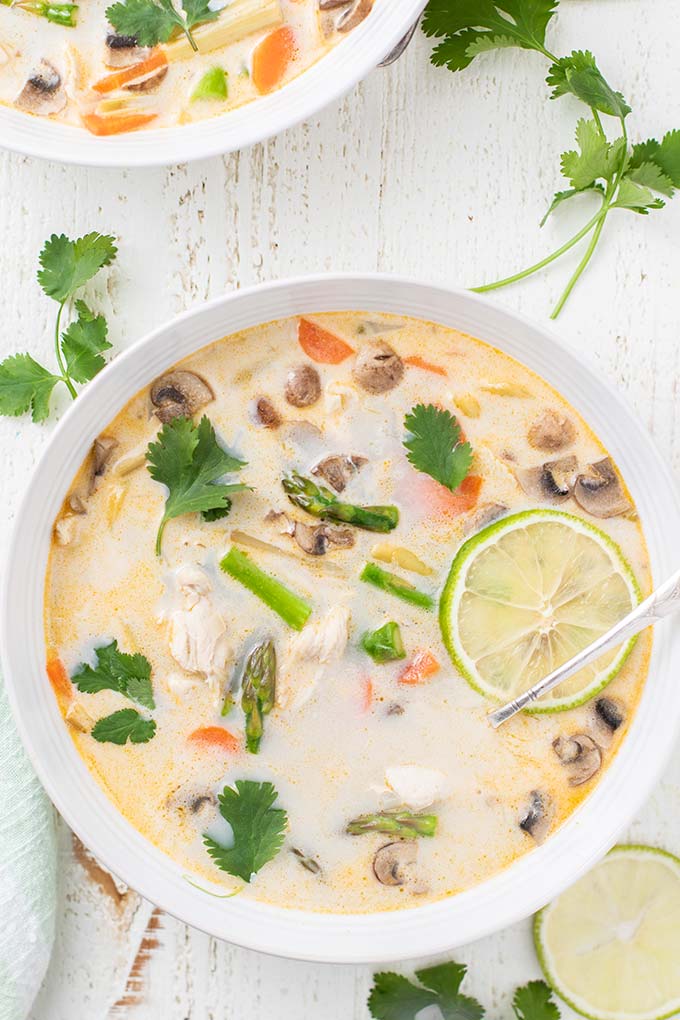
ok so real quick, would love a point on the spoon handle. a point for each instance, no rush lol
(662, 602)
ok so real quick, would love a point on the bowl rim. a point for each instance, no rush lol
(513, 893)
(326, 81)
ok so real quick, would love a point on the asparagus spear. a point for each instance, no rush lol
(58, 14)
(385, 643)
(321, 502)
(258, 691)
(290, 607)
(395, 585)
(403, 824)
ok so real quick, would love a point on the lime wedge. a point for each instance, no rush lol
(610, 945)
(525, 595)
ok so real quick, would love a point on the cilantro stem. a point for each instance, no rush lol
(190, 38)
(601, 212)
(580, 267)
(60, 361)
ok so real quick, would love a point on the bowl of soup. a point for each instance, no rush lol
(128, 84)
(274, 569)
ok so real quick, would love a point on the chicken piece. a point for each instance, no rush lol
(414, 786)
(319, 644)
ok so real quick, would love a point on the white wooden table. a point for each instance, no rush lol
(418, 172)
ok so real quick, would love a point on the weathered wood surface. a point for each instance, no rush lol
(416, 172)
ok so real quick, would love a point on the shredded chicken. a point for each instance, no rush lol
(197, 630)
(414, 786)
(320, 643)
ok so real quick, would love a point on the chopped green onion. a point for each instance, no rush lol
(395, 585)
(290, 607)
(385, 643)
(58, 14)
(402, 824)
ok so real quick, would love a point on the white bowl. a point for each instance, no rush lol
(326, 81)
(514, 893)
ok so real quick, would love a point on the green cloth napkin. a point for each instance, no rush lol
(28, 874)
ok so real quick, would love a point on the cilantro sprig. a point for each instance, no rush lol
(433, 445)
(258, 828)
(635, 177)
(126, 724)
(156, 21)
(66, 265)
(394, 997)
(129, 675)
(188, 460)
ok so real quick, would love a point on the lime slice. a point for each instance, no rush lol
(525, 595)
(610, 945)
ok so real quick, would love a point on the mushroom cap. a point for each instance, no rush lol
(551, 431)
(43, 92)
(378, 368)
(537, 815)
(393, 863)
(580, 755)
(599, 491)
(123, 51)
(303, 386)
(611, 712)
(266, 414)
(338, 469)
(552, 482)
(179, 394)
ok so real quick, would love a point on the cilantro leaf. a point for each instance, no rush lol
(189, 461)
(258, 828)
(25, 385)
(579, 75)
(67, 265)
(666, 155)
(218, 513)
(534, 1002)
(649, 175)
(636, 197)
(155, 21)
(563, 196)
(433, 445)
(130, 675)
(83, 342)
(596, 158)
(126, 724)
(471, 27)
(394, 997)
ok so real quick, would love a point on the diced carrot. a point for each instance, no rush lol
(59, 678)
(115, 124)
(441, 501)
(366, 693)
(271, 58)
(320, 345)
(116, 80)
(417, 362)
(422, 666)
(214, 736)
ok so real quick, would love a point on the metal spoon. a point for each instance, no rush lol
(395, 53)
(664, 601)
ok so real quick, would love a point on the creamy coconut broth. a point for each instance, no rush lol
(346, 736)
(69, 63)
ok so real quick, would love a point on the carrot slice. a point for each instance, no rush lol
(417, 362)
(116, 80)
(320, 345)
(422, 666)
(271, 58)
(115, 124)
(441, 501)
(59, 678)
(214, 736)
(366, 693)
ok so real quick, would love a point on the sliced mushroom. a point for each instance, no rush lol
(43, 92)
(148, 82)
(610, 712)
(354, 15)
(551, 432)
(312, 539)
(339, 469)
(303, 386)
(580, 755)
(266, 414)
(102, 451)
(378, 368)
(552, 481)
(485, 514)
(394, 863)
(123, 51)
(331, 5)
(537, 816)
(179, 394)
(307, 862)
(599, 491)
